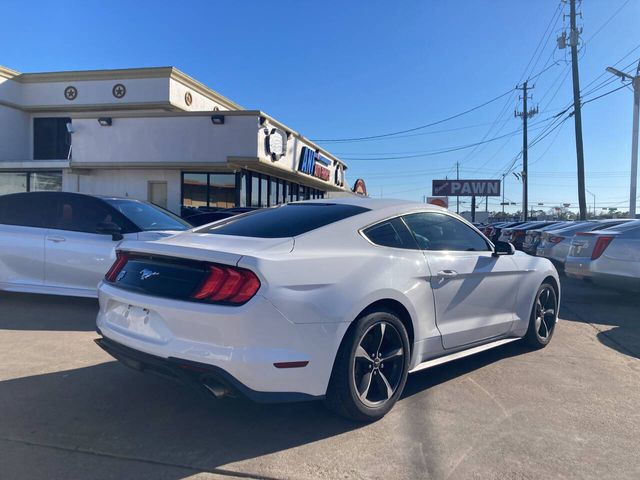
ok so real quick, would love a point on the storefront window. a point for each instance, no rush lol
(222, 190)
(194, 190)
(273, 192)
(45, 182)
(15, 182)
(264, 190)
(12, 182)
(255, 191)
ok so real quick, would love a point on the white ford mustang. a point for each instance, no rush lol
(336, 299)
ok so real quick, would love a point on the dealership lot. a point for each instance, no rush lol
(571, 410)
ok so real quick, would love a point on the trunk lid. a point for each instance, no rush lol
(208, 247)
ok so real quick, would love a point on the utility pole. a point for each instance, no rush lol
(458, 178)
(525, 115)
(502, 203)
(635, 82)
(574, 37)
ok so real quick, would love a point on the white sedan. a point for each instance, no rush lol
(62, 243)
(336, 300)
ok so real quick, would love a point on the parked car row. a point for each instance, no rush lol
(605, 252)
(337, 300)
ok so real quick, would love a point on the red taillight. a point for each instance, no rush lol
(121, 261)
(228, 285)
(601, 245)
(555, 239)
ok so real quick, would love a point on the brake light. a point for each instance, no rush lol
(601, 245)
(118, 265)
(555, 239)
(228, 285)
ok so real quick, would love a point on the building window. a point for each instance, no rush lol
(264, 190)
(273, 192)
(255, 190)
(194, 190)
(15, 182)
(45, 181)
(222, 190)
(51, 139)
(208, 190)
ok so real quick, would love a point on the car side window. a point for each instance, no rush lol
(391, 233)
(22, 210)
(438, 231)
(84, 214)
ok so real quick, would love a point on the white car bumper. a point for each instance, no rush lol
(243, 343)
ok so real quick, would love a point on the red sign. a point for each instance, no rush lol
(321, 172)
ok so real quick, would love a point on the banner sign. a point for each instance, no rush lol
(467, 188)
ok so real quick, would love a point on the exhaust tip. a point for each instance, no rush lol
(216, 389)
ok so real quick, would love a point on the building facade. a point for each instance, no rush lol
(153, 134)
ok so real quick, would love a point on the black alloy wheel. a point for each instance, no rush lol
(371, 367)
(544, 316)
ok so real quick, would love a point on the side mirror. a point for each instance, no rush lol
(503, 248)
(109, 228)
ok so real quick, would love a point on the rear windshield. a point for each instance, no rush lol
(285, 221)
(623, 227)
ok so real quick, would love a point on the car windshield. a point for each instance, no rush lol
(148, 217)
(286, 221)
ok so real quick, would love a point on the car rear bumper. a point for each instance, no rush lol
(201, 376)
(253, 345)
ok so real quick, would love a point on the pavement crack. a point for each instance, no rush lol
(215, 471)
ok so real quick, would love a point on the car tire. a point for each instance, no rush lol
(371, 367)
(544, 316)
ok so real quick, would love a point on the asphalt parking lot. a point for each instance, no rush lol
(572, 410)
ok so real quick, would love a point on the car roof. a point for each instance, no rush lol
(372, 203)
(78, 194)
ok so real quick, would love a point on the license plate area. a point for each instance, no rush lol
(140, 322)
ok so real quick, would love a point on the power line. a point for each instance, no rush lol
(419, 127)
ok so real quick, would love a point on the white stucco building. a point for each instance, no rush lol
(154, 134)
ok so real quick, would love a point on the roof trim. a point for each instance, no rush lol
(7, 72)
(80, 75)
(202, 89)
(121, 74)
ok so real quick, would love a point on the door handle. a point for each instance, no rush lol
(56, 239)
(447, 273)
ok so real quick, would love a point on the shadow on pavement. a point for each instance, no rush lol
(26, 311)
(111, 410)
(420, 381)
(604, 308)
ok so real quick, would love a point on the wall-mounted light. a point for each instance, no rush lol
(217, 119)
(105, 121)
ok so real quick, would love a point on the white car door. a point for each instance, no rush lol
(76, 255)
(22, 240)
(474, 292)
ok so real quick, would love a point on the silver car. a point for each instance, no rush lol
(554, 244)
(608, 257)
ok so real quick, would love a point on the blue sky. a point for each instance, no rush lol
(344, 69)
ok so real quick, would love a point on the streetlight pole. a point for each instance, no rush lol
(635, 81)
